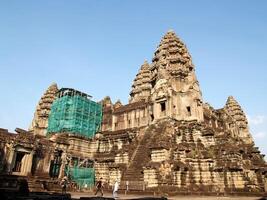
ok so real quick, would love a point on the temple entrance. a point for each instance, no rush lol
(55, 165)
(18, 161)
(21, 161)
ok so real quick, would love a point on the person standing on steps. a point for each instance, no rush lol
(99, 187)
(115, 189)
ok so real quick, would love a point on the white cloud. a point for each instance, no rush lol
(256, 120)
(260, 134)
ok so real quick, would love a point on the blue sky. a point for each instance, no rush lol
(98, 46)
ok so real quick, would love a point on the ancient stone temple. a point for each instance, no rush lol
(166, 138)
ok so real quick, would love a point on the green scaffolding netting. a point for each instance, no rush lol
(75, 114)
(84, 177)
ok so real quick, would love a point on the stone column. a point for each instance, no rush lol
(29, 162)
(156, 110)
(45, 162)
(125, 117)
(10, 160)
(265, 183)
(178, 178)
(24, 164)
(114, 120)
(170, 110)
(63, 163)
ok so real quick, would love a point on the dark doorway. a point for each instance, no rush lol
(188, 108)
(152, 117)
(55, 164)
(19, 156)
(163, 106)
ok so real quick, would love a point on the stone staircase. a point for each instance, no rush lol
(134, 173)
(43, 184)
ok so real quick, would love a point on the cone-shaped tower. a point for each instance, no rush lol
(40, 121)
(235, 111)
(175, 89)
(142, 84)
(171, 58)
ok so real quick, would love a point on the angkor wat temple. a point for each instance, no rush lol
(165, 138)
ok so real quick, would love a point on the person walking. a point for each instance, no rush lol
(115, 189)
(63, 184)
(99, 187)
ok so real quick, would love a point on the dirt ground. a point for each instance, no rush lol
(214, 198)
(131, 196)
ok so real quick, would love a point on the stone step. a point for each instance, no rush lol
(133, 175)
(43, 185)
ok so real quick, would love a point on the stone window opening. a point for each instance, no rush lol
(188, 108)
(152, 117)
(163, 108)
(190, 68)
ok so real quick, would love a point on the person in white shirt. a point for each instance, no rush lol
(115, 189)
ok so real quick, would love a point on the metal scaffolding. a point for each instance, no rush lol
(74, 112)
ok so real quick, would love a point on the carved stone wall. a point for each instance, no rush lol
(150, 178)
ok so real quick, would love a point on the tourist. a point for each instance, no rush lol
(115, 189)
(99, 187)
(63, 184)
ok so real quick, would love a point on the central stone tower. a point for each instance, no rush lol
(169, 83)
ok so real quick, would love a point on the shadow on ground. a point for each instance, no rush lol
(59, 196)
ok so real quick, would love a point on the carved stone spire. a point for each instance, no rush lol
(141, 85)
(174, 83)
(106, 102)
(235, 111)
(171, 57)
(40, 121)
(117, 104)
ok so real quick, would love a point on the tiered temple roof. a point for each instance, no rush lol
(40, 120)
(141, 85)
(173, 56)
(235, 110)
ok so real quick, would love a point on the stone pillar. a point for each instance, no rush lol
(23, 164)
(265, 183)
(156, 111)
(29, 162)
(125, 117)
(63, 163)
(132, 118)
(45, 162)
(10, 160)
(171, 114)
(114, 120)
